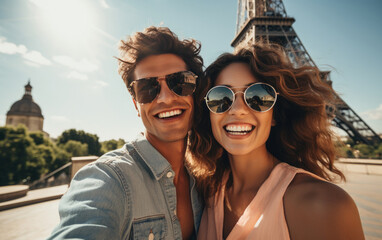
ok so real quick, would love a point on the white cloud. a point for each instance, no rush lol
(33, 58)
(101, 83)
(31, 64)
(104, 4)
(83, 65)
(98, 84)
(77, 75)
(375, 114)
(11, 48)
(36, 58)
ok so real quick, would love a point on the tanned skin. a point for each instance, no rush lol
(315, 209)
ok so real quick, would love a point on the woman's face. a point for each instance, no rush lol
(240, 130)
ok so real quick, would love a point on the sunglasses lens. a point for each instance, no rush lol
(146, 90)
(260, 97)
(219, 99)
(181, 83)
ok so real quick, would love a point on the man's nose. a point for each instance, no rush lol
(165, 94)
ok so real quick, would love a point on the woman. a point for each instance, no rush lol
(266, 152)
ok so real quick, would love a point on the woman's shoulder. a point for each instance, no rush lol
(309, 190)
(316, 209)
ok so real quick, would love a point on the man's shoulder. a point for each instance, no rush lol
(119, 157)
(120, 154)
(115, 167)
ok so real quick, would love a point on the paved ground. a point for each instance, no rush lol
(366, 190)
(37, 221)
(32, 222)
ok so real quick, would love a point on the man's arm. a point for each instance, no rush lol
(95, 206)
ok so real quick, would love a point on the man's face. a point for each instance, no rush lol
(168, 118)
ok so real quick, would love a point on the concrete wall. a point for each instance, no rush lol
(79, 162)
(362, 166)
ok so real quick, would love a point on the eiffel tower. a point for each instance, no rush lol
(267, 20)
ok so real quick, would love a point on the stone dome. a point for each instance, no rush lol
(26, 106)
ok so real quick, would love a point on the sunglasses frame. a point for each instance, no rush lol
(165, 77)
(244, 93)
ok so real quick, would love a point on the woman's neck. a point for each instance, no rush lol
(251, 170)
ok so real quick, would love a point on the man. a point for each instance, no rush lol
(144, 190)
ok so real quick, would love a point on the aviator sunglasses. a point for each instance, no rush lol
(145, 90)
(260, 97)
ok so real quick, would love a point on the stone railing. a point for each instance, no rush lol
(79, 162)
(362, 166)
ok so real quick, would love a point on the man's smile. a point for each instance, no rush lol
(169, 114)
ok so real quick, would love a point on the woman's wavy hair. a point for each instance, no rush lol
(161, 40)
(301, 137)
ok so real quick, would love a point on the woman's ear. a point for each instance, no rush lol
(273, 121)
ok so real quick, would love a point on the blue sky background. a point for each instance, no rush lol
(66, 47)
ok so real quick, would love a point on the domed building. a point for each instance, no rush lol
(27, 112)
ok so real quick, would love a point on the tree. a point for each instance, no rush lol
(94, 147)
(378, 151)
(107, 146)
(365, 151)
(75, 148)
(20, 158)
(61, 158)
(25, 156)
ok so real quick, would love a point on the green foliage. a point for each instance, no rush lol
(364, 150)
(378, 151)
(38, 137)
(20, 156)
(94, 147)
(345, 151)
(75, 148)
(27, 155)
(349, 149)
(112, 144)
(61, 158)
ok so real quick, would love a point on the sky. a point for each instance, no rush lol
(67, 47)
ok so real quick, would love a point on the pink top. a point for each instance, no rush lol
(264, 216)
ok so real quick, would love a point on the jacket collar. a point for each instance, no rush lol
(157, 164)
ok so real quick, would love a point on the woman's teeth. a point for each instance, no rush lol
(169, 114)
(241, 129)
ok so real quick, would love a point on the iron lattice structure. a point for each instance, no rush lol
(268, 20)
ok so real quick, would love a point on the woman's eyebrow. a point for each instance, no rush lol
(230, 86)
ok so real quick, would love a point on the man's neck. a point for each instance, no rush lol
(173, 152)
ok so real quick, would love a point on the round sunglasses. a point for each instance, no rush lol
(260, 97)
(145, 90)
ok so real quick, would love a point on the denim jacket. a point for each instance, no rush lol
(126, 194)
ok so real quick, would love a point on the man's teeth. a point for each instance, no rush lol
(169, 113)
(239, 129)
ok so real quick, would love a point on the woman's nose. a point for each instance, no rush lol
(239, 107)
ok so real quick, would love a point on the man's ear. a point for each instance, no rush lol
(135, 105)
